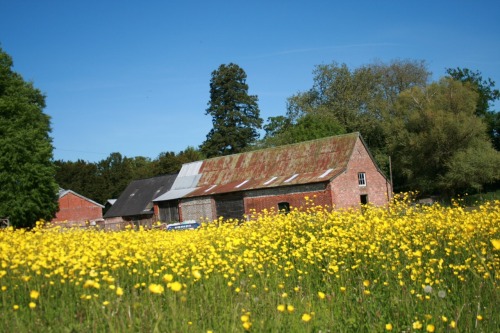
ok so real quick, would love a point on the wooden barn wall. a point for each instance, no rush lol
(168, 211)
(230, 205)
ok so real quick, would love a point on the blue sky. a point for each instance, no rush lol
(133, 76)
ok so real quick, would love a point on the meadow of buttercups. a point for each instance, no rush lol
(400, 268)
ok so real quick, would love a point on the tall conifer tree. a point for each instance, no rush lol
(235, 113)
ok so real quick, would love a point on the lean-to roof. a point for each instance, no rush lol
(138, 197)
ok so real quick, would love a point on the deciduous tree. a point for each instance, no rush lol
(434, 133)
(487, 96)
(28, 191)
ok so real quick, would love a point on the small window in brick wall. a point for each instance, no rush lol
(284, 207)
(362, 179)
(363, 198)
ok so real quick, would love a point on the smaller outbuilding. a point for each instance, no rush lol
(135, 205)
(76, 210)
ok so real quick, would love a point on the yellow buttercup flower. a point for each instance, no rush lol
(34, 294)
(417, 325)
(496, 243)
(388, 327)
(176, 286)
(156, 288)
(306, 317)
(168, 277)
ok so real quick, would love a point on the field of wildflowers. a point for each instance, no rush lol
(407, 268)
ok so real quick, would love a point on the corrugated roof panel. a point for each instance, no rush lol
(190, 169)
(302, 157)
(174, 194)
(186, 182)
(301, 163)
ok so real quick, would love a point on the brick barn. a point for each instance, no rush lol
(337, 171)
(77, 210)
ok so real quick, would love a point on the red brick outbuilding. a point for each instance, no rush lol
(75, 209)
(336, 171)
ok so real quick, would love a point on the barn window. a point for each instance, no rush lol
(363, 198)
(362, 179)
(284, 207)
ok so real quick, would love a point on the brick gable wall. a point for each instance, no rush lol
(345, 189)
(72, 208)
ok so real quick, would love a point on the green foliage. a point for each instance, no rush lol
(433, 136)
(28, 191)
(359, 100)
(485, 88)
(81, 177)
(311, 126)
(235, 114)
(487, 96)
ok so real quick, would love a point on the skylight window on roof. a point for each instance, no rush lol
(243, 183)
(270, 181)
(326, 173)
(291, 178)
(210, 188)
(148, 207)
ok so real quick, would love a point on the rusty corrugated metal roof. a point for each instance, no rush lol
(301, 163)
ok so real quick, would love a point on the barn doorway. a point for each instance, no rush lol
(230, 206)
(169, 210)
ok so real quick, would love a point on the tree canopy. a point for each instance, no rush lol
(357, 100)
(435, 133)
(28, 191)
(437, 141)
(487, 95)
(235, 113)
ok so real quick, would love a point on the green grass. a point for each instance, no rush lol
(387, 264)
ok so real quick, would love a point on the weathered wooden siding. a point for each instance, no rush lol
(230, 206)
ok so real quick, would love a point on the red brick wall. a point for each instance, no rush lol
(346, 191)
(72, 208)
(296, 200)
